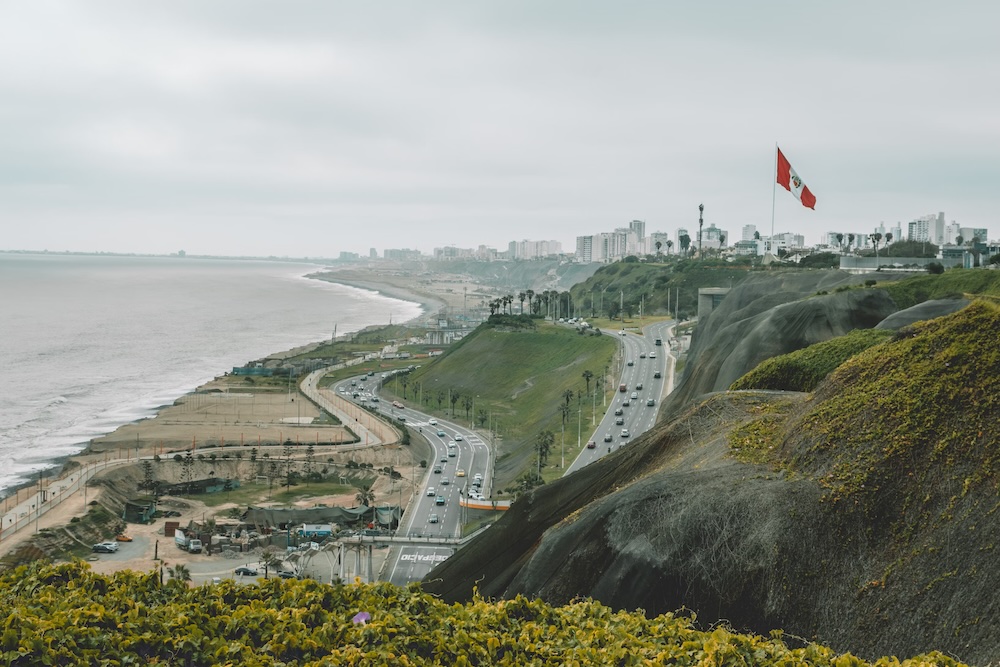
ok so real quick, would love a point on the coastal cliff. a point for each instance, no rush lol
(861, 515)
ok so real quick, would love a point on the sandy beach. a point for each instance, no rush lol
(225, 413)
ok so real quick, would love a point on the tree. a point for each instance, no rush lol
(180, 573)
(850, 241)
(888, 239)
(365, 496)
(531, 295)
(482, 417)
(440, 398)
(876, 237)
(722, 241)
(658, 244)
(467, 404)
(587, 376)
(959, 240)
(404, 380)
(670, 244)
(840, 241)
(685, 242)
(543, 444)
(521, 296)
(936, 268)
(568, 395)
(454, 399)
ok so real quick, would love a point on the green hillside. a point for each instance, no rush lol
(66, 614)
(514, 381)
(804, 369)
(631, 284)
(976, 282)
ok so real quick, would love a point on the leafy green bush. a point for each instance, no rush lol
(67, 614)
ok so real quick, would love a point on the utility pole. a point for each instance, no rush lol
(701, 210)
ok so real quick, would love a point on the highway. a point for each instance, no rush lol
(436, 511)
(459, 454)
(643, 360)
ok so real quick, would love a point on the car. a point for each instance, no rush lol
(608, 437)
(122, 537)
(475, 495)
(635, 395)
(440, 433)
(371, 373)
(631, 363)
(620, 421)
(452, 445)
(433, 422)
(621, 333)
(431, 491)
(652, 355)
(642, 356)
(374, 399)
(245, 571)
(650, 401)
(433, 518)
(639, 387)
(437, 469)
(591, 445)
(478, 476)
(626, 403)
(105, 547)
(355, 394)
(619, 411)
(451, 453)
(444, 459)
(458, 436)
(285, 574)
(657, 375)
(445, 481)
(625, 433)
(460, 473)
(477, 483)
(439, 500)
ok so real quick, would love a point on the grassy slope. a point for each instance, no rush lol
(804, 369)
(915, 290)
(519, 377)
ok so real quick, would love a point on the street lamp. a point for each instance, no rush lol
(701, 210)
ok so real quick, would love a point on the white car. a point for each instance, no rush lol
(433, 422)
(652, 355)
(475, 495)
(430, 491)
(458, 436)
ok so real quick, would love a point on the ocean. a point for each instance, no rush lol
(89, 343)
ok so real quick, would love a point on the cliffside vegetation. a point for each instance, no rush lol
(66, 614)
(804, 369)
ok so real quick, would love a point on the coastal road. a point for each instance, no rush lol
(632, 411)
(458, 455)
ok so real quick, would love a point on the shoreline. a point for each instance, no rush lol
(427, 303)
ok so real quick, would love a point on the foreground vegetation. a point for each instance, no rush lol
(67, 614)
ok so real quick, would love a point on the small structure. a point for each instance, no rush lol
(139, 510)
(315, 530)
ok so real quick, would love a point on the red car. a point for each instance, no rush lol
(591, 445)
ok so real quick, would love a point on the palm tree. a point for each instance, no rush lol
(670, 244)
(659, 244)
(850, 241)
(521, 297)
(180, 573)
(366, 496)
(685, 242)
(587, 375)
(467, 404)
(840, 241)
(530, 294)
(568, 395)
(876, 237)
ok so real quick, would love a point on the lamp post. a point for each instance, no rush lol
(701, 210)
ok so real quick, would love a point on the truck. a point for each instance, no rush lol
(187, 543)
(622, 387)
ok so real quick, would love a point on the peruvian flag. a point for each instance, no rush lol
(789, 180)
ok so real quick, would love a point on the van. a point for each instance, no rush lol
(622, 388)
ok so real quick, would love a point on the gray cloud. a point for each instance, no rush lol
(314, 127)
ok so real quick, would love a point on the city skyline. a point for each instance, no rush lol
(245, 129)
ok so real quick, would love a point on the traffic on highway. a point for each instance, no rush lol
(461, 464)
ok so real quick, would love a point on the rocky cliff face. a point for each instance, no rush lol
(761, 509)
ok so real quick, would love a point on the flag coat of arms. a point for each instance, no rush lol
(789, 180)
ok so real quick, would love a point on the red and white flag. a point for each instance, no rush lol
(789, 180)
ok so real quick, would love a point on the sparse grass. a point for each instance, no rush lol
(251, 493)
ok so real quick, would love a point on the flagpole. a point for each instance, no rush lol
(774, 182)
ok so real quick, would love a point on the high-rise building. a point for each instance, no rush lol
(748, 232)
(661, 238)
(585, 249)
(927, 228)
(638, 227)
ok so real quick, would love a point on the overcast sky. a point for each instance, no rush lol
(308, 128)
